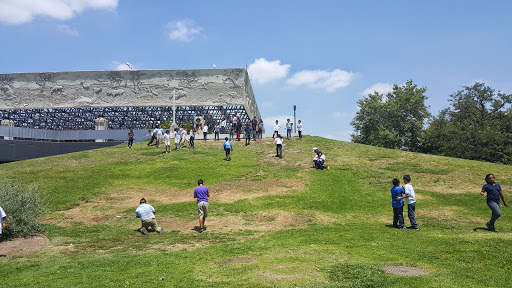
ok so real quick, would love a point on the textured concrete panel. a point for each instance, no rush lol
(131, 88)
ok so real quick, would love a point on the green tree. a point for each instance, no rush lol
(394, 120)
(477, 126)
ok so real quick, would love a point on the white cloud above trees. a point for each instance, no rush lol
(382, 88)
(18, 12)
(328, 80)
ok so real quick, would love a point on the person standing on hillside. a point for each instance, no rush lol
(131, 137)
(201, 193)
(146, 213)
(397, 203)
(279, 146)
(299, 129)
(260, 130)
(254, 126)
(410, 197)
(4, 219)
(228, 147)
(494, 194)
(289, 126)
(276, 129)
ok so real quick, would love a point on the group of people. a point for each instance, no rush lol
(400, 192)
(146, 212)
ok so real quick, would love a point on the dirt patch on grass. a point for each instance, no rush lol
(22, 246)
(103, 209)
(236, 261)
(404, 270)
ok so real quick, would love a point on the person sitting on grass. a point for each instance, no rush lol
(228, 147)
(397, 203)
(146, 213)
(494, 194)
(319, 160)
(201, 193)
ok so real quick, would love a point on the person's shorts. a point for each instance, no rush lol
(202, 209)
(177, 140)
(167, 142)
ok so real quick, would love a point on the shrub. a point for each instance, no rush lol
(23, 207)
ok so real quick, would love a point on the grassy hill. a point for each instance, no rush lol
(272, 222)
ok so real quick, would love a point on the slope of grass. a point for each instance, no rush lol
(273, 222)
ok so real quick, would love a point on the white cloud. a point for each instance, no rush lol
(382, 88)
(330, 81)
(263, 71)
(24, 11)
(338, 115)
(271, 120)
(116, 65)
(183, 30)
(68, 30)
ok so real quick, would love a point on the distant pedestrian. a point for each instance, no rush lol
(159, 135)
(238, 129)
(167, 141)
(4, 220)
(254, 127)
(279, 146)
(228, 147)
(260, 129)
(299, 129)
(397, 203)
(201, 193)
(289, 126)
(146, 213)
(205, 132)
(410, 197)
(191, 139)
(216, 131)
(276, 129)
(223, 126)
(494, 194)
(131, 137)
(247, 133)
(153, 137)
(177, 138)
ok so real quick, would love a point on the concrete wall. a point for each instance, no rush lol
(131, 88)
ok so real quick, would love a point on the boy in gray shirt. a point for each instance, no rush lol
(410, 197)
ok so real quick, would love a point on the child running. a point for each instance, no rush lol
(279, 146)
(228, 147)
(167, 141)
(494, 194)
(397, 203)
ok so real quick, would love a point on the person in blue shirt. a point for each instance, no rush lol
(397, 203)
(494, 194)
(228, 147)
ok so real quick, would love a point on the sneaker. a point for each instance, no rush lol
(204, 228)
(488, 224)
(412, 228)
(491, 228)
(161, 231)
(201, 230)
(144, 231)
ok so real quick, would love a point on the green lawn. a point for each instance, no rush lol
(273, 222)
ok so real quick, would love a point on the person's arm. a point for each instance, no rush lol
(483, 192)
(400, 198)
(195, 195)
(503, 199)
(4, 222)
(154, 212)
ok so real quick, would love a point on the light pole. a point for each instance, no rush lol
(294, 122)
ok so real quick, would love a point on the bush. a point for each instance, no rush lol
(23, 207)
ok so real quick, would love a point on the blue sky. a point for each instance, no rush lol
(322, 56)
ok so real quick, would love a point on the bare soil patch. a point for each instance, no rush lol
(404, 270)
(103, 209)
(236, 261)
(22, 246)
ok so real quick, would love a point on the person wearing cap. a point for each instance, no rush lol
(319, 159)
(146, 213)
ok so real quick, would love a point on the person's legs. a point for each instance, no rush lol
(130, 143)
(151, 224)
(300, 135)
(395, 217)
(320, 164)
(411, 213)
(202, 209)
(280, 150)
(288, 133)
(496, 213)
(401, 217)
(191, 142)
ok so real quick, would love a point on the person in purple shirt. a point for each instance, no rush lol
(494, 194)
(397, 203)
(201, 193)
